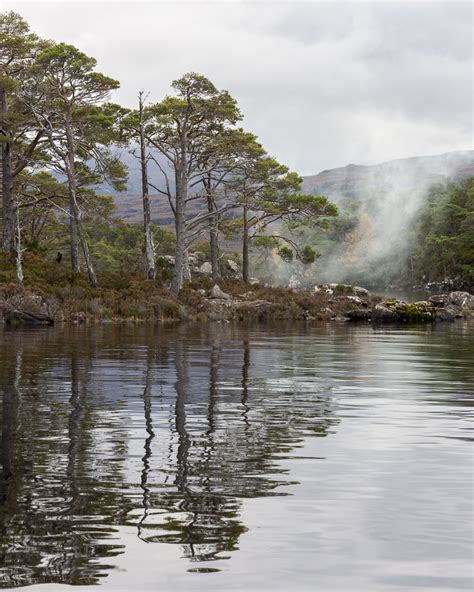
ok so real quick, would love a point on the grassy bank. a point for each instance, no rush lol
(50, 288)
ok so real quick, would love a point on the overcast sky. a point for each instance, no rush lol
(322, 84)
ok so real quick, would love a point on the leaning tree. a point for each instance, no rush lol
(68, 99)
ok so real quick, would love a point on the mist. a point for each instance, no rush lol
(386, 199)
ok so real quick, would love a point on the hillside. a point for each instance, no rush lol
(357, 181)
(352, 181)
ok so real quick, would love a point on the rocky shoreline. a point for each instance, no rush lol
(234, 301)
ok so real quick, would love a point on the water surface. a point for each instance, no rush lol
(215, 457)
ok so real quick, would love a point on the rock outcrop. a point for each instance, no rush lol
(28, 308)
(440, 307)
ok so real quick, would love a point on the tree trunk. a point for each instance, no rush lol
(78, 234)
(85, 249)
(73, 209)
(74, 235)
(149, 247)
(186, 267)
(77, 229)
(8, 243)
(213, 233)
(19, 262)
(245, 248)
(180, 225)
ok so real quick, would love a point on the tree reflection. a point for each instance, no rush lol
(147, 408)
(214, 428)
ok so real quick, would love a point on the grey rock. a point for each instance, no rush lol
(462, 299)
(359, 291)
(231, 268)
(438, 300)
(359, 315)
(382, 314)
(444, 314)
(20, 317)
(205, 268)
(217, 294)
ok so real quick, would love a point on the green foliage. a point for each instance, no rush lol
(285, 253)
(59, 116)
(265, 242)
(308, 255)
(444, 234)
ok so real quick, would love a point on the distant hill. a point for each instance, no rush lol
(356, 181)
(352, 181)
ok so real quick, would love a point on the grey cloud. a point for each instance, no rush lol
(322, 83)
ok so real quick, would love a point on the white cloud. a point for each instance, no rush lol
(321, 83)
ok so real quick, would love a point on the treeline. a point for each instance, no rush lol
(442, 248)
(434, 245)
(56, 116)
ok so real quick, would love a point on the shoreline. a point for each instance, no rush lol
(228, 300)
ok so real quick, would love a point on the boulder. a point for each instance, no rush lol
(231, 269)
(78, 317)
(219, 310)
(359, 314)
(356, 300)
(254, 281)
(359, 291)
(398, 311)
(418, 312)
(462, 299)
(325, 289)
(438, 300)
(383, 314)
(217, 294)
(327, 313)
(444, 314)
(294, 282)
(205, 268)
(20, 317)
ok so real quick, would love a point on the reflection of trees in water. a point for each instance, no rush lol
(213, 434)
(197, 515)
(52, 521)
(228, 445)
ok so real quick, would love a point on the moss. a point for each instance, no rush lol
(343, 289)
(418, 312)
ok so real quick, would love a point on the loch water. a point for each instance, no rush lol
(217, 457)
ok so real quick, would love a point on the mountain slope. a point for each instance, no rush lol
(402, 176)
(357, 181)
